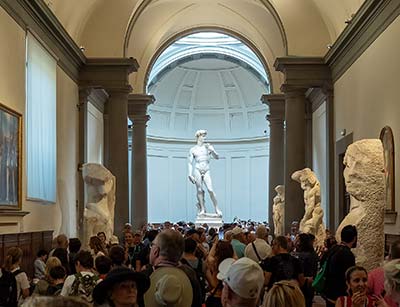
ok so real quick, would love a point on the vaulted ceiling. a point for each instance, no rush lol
(144, 28)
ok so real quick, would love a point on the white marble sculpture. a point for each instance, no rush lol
(278, 210)
(312, 221)
(365, 182)
(100, 200)
(199, 175)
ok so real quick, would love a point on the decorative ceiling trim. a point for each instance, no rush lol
(36, 16)
(145, 3)
(373, 17)
(187, 32)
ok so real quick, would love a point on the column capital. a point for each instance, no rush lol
(137, 107)
(276, 104)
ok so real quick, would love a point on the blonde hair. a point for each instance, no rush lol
(392, 276)
(284, 293)
(51, 263)
(14, 254)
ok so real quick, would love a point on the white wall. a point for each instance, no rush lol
(94, 135)
(240, 180)
(367, 97)
(319, 161)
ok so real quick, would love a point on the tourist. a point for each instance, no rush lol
(339, 260)
(43, 284)
(102, 265)
(103, 238)
(392, 282)
(356, 281)
(118, 256)
(237, 239)
(57, 277)
(12, 264)
(282, 266)
(259, 249)
(97, 247)
(40, 264)
(73, 248)
(243, 281)
(61, 241)
(121, 287)
(284, 293)
(62, 254)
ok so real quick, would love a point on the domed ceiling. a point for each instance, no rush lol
(208, 81)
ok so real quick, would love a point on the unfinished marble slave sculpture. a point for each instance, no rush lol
(278, 210)
(312, 220)
(100, 200)
(365, 182)
(201, 155)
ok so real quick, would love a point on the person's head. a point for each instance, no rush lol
(128, 237)
(190, 246)
(304, 243)
(395, 250)
(74, 245)
(152, 234)
(102, 236)
(364, 169)
(392, 278)
(51, 301)
(102, 264)
(237, 233)
(249, 237)
(280, 245)
(243, 281)
(228, 235)
(223, 250)
(83, 261)
(96, 244)
(51, 263)
(42, 254)
(137, 237)
(62, 254)
(212, 232)
(121, 287)
(61, 241)
(284, 293)
(356, 280)
(117, 255)
(349, 235)
(262, 233)
(13, 258)
(57, 274)
(127, 227)
(168, 245)
(330, 242)
(192, 233)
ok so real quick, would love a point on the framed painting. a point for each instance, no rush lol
(386, 137)
(10, 158)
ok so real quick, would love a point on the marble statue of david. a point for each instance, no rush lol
(200, 155)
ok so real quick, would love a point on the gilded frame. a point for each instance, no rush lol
(10, 159)
(386, 136)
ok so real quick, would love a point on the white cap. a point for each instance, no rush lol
(237, 230)
(244, 276)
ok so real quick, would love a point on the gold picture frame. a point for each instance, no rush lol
(10, 159)
(386, 136)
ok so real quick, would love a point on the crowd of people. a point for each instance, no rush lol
(181, 265)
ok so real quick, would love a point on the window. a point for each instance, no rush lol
(40, 122)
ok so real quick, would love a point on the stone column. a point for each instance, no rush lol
(295, 152)
(137, 110)
(116, 151)
(276, 116)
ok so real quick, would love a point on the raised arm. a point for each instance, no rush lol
(212, 151)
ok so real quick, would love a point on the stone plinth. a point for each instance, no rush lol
(212, 220)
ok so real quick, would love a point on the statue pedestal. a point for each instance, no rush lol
(212, 220)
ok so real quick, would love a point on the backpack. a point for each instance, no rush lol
(8, 289)
(200, 276)
(83, 286)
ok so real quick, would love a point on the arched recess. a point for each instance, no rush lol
(247, 21)
(185, 33)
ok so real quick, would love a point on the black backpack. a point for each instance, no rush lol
(8, 289)
(200, 276)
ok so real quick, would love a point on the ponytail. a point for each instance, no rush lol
(14, 254)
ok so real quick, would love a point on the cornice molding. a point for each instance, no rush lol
(373, 17)
(35, 16)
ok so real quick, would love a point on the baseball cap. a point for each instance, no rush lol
(244, 276)
(237, 230)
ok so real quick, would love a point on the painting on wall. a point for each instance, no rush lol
(387, 139)
(10, 158)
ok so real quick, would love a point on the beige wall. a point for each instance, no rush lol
(59, 216)
(367, 97)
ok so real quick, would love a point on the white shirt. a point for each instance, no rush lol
(22, 283)
(262, 247)
(66, 290)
